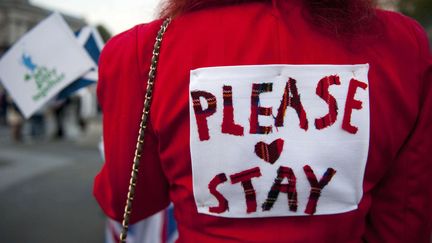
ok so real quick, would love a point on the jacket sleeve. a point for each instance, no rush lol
(121, 90)
(401, 203)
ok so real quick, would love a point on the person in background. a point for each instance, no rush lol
(37, 125)
(15, 121)
(3, 106)
(273, 121)
(59, 109)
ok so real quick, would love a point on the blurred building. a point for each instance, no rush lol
(18, 16)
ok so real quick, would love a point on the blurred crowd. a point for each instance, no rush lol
(59, 119)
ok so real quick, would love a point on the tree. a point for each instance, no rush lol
(421, 10)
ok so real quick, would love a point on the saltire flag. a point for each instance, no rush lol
(90, 39)
(158, 228)
(42, 63)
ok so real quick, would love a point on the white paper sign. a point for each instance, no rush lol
(278, 140)
(42, 63)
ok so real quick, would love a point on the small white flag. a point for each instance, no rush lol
(42, 63)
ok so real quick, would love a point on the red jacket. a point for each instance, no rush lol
(396, 200)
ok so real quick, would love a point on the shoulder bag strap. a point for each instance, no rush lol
(143, 125)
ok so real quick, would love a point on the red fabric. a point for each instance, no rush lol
(223, 203)
(245, 178)
(395, 206)
(316, 186)
(323, 92)
(351, 104)
(228, 125)
(291, 98)
(269, 152)
(202, 114)
(257, 110)
(289, 189)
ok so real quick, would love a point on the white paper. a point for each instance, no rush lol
(331, 147)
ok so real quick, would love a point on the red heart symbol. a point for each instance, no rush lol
(269, 152)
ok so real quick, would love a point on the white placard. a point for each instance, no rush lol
(42, 63)
(289, 100)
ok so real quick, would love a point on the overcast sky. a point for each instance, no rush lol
(116, 15)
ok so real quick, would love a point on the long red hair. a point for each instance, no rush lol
(335, 16)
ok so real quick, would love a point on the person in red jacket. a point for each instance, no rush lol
(274, 121)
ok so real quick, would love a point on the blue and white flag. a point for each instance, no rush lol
(42, 63)
(92, 42)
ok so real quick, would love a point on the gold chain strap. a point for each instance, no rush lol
(143, 125)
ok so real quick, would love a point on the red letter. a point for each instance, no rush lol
(256, 110)
(294, 102)
(290, 189)
(228, 125)
(316, 187)
(200, 114)
(223, 203)
(322, 91)
(269, 152)
(351, 104)
(245, 177)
